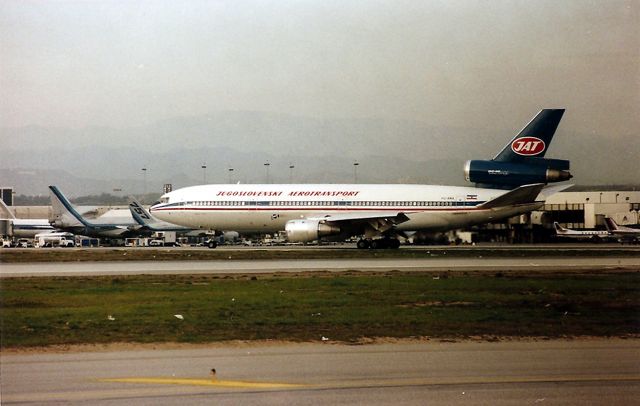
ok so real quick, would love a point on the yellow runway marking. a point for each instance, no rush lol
(207, 382)
(388, 383)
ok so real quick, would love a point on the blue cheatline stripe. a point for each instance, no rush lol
(30, 227)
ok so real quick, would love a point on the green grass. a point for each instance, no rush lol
(346, 306)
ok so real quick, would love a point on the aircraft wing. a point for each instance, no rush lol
(398, 217)
(376, 222)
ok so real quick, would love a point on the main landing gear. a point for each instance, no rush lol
(380, 243)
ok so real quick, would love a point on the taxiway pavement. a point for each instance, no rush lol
(578, 372)
(267, 266)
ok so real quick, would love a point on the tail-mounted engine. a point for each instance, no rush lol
(507, 175)
(309, 230)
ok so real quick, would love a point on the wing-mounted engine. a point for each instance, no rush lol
(507, 175)
(309, 230)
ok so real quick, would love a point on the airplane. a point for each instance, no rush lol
(25, 228)
(623, 232)
(594, 235)
(380, 213)
(66, 217)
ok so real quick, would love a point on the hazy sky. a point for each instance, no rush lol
(460, 63)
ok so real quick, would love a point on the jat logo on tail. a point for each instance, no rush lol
(527, 146)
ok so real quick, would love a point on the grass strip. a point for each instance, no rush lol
(345, 306)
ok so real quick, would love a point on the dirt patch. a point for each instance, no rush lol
(117, 347)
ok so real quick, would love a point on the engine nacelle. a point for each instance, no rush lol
(512, 174)
(309, 230)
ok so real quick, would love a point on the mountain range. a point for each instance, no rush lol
(94, 160)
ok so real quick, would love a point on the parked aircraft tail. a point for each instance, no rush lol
(559, 229)
(610, 224)
(522, 160)
(65, 216)
(63, 210)
(150, 223)
(139, 213)
(534, 139)
(614, 227)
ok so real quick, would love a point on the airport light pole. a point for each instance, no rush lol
(291, 167)
(204, 173)
(144, 176)
(267, 165)
(230, 170)
(355, 171)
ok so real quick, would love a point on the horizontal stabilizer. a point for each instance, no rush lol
(552, 190)
(523, 194)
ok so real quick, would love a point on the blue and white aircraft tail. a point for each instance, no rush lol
(148, 222)
(67, 217)
(522, 160)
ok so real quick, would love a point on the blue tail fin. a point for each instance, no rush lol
(522, 161)
(62, 207)
(534, 139)
(140, 215)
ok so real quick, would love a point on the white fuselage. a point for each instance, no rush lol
(267, 208)
(582, 234)
(28, 228)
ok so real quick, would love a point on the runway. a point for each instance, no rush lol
(593, 371)
(261, 266)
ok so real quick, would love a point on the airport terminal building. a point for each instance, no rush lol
(578, 210)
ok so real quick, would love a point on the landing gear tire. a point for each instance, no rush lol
(383, 243)
(212, 244)
(377, 244)
(363, 244)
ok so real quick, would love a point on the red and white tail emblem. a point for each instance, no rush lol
(527, 146)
